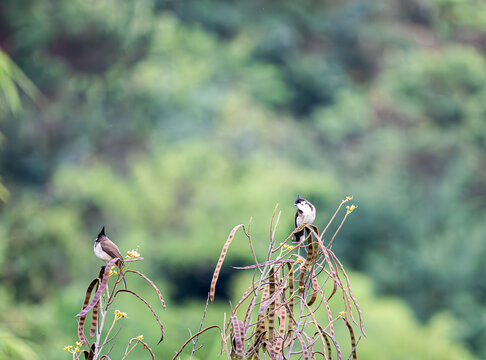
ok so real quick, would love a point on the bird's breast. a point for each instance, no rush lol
(98, 250)
(306, 215)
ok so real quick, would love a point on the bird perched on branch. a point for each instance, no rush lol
(106, 250)
(306, 214)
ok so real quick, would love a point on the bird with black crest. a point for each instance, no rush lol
(106, 250)
(306, 214)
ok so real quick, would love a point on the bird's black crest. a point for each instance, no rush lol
(102, 232)
(299, 199)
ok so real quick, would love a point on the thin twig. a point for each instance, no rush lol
(114, 342)
(193, 336)
(200, 328)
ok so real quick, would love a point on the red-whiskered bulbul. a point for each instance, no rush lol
(106, 250)
(306, 214)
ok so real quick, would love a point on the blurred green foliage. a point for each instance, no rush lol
(170, 122)
(12, 347)
(395, 330)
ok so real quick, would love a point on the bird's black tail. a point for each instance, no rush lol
(298, 236)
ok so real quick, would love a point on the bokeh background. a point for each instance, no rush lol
(169, 122)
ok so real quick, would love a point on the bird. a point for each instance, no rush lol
(306, 214)
(106, 250)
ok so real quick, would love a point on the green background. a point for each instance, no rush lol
(170, 122)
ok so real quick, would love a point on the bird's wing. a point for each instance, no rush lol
(297, 213)
(111, 249)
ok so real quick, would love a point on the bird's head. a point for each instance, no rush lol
(301, 203)
(299, 200)
(101, 234)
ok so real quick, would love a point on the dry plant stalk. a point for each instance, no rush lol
(101, 340)
(276, 316)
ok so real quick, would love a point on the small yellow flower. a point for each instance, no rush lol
(140, 337)
(68, 348)
(79, 344)
(132, 254)
(113, 271)
(119, 314)
(342, 313)
(350, 208)
(349, 198)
